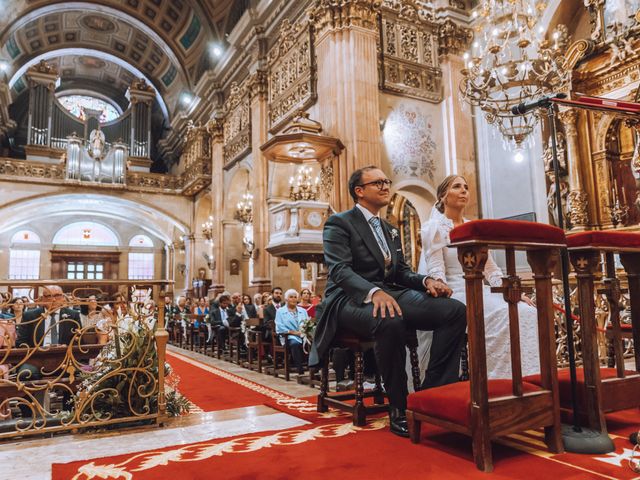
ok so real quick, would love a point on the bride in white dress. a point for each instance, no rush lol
(441, 263)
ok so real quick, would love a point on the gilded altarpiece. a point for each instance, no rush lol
(237, 124)
(292, 73)
(408, 51)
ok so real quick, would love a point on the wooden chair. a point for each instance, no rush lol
(280, 349)
(482, 408)
(236, 341)
(254, 344)
(603, 390)
(343, 400)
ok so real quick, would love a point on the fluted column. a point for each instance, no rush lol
(261, 280)
(577, 198)
(348, 96)
(217, 205)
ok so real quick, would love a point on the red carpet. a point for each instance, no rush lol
(336, 450)
(212, 389)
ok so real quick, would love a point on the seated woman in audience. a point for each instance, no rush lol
(305, 302)
(11, 317)
(289, 321)
(249, 307)
(90, 312)
(202, 308)
(257, 302)
(266, 300)
(441, 263)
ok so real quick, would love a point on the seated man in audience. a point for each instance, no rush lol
(289, 321)
(49, 324)
(224, 316)
(270, 312)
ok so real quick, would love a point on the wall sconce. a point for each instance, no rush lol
(180, 244)
(207, 230)
(244, 210)
(303, 187)
(182, 268)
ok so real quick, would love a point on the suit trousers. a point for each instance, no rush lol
(446, 317)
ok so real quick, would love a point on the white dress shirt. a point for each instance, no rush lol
(48, 321)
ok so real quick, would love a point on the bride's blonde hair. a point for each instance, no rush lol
(443, 188)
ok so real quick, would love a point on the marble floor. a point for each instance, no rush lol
(190, 429)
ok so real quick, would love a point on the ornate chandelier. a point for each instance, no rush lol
(302, 186)
(511, 62)
(244, 208)
(207, 229)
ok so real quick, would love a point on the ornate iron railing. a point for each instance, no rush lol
(68, 363)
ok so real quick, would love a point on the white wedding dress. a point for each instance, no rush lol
(441, 262)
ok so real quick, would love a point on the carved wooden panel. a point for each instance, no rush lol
(292, 73)
(408, 49)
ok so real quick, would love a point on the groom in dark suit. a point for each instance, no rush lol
(372, 292)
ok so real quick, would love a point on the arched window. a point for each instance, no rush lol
(141, 262)
(86, 233)
(24, 256)
(76, 103)
(25, 237)
(141, 241)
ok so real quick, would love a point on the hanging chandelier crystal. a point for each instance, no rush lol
(511, 62)
(302, 186)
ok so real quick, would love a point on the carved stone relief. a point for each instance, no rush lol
(408, 46)
(292, 76)
(237, 124)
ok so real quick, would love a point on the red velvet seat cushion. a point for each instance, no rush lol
(625, 327)
(564, 382)
(453, 402)
(511, 231)
(604, 239)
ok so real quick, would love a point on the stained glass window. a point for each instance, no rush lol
(140, 266)
(75, 104)
(141, 241)
(24, 264)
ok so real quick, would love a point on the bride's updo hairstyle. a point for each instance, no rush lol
(443, 188)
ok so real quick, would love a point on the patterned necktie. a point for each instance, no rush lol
(377, 229)
(54, 329)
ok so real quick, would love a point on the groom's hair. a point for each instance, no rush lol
(356, 179)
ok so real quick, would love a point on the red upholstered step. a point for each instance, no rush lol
(507, 231)
(453, 402)
(564, 380)
(604, 239)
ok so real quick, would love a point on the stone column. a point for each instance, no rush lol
(189, 260)
(577, 199)
(348, 96)
(217, 206)
(261, 280)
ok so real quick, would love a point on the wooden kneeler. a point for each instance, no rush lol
(603, 390)
(487, 409)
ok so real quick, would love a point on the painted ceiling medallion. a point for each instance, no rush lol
(98, 23)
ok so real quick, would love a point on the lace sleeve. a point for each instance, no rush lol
(492, 272)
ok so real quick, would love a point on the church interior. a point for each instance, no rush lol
(169, 172)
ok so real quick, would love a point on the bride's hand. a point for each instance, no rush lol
(528, 300)
(437, 288)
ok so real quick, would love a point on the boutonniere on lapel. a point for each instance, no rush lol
(64, 315)
(394, 234)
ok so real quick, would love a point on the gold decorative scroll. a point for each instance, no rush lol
(292, 74)
(68, 368)
(237, 124)
(408, 46)
(21, 168)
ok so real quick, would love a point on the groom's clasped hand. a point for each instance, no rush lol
(437, 288)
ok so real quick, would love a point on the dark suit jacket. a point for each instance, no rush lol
(234, 319)
(30, 323)
(356, 265)
(269, 313)
(251, 310)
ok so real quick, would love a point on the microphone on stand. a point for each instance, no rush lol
(523, 108)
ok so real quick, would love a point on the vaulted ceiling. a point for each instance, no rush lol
(106, 44)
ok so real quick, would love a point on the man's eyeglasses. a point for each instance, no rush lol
(49, 295)
(378, 183)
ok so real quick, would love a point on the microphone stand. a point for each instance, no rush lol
(576, 439)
